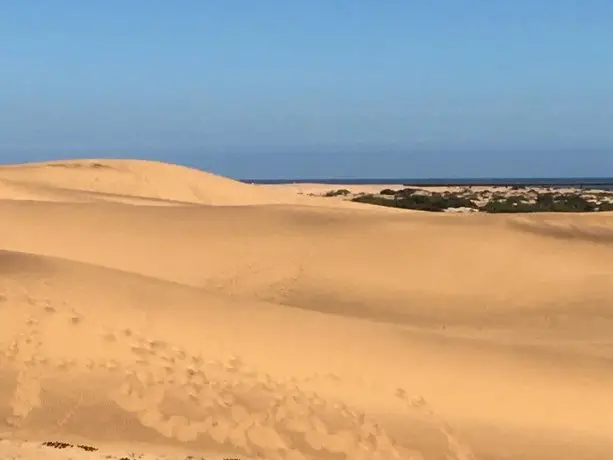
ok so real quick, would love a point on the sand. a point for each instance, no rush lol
(155, 311)
(315, 189)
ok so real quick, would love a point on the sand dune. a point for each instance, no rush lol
(154, 308)
(140, 182)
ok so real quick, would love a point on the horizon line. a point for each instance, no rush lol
(560, 180)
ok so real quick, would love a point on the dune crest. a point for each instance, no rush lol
(141, 182)
(112, 180)
(157, 308)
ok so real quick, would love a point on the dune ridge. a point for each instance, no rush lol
(154, 305)
(140, 182)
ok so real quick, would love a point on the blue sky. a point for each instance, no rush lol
(313, 88)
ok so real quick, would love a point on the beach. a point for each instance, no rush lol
(157, 310)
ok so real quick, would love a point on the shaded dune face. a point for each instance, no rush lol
(136, 379)
(493, 271)
(266, 326)
(571, 230)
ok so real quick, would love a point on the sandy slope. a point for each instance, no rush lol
(152, 308)
(139, 182)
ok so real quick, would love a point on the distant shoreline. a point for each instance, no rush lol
(574, 182)
(503, 196)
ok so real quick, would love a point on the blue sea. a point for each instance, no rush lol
(599, 183)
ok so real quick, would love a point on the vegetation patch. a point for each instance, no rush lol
(513, 199)
(340, 192)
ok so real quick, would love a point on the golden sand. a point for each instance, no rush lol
(162, 311)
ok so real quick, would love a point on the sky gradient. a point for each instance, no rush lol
(313, 88)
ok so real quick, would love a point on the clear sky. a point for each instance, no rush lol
(315, 88)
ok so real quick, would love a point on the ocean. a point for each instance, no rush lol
(599, 183)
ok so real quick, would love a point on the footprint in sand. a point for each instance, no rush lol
(50, 309)
(231, 404)
(76, 318)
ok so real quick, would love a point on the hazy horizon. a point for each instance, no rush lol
(369, 166)
(310, 89)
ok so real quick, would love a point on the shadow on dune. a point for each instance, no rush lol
(14, 263)
(565, 230)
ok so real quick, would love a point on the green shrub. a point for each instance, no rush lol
(376, 200)
(545, 202)
(499, 203)
(435, 202)
(340, 192)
